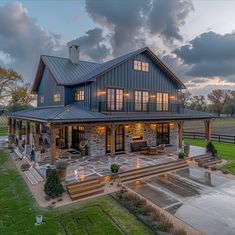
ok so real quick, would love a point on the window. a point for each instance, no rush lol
(79, 95)
(56, 97)
(145, 66)
(137, 65)
(41, 99)
(141, 66)
(114, 99)
(162, 101)
(141, 100)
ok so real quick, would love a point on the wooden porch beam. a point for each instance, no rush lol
(113, 140)
(53, 145)
(180, 134)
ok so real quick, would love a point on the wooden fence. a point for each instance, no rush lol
(214, 137)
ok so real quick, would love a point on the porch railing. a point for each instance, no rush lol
(130, 106)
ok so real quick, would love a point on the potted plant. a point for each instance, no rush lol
(186, 149)
(115, 167)
(181, 155)
(61, 167)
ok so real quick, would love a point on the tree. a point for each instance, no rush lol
(198, 102)
(53, 187)
(21, 97)
(217, 99)
(184, 98)
(229, 107)
(8, 80)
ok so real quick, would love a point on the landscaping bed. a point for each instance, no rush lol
(154, 219)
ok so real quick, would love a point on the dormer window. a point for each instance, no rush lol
(141, 66)
(79, 95)
(56, 97)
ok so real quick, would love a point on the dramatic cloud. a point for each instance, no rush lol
(167, 16)
(132, 23)
(22, 41)
(92, 45)
(209, 55)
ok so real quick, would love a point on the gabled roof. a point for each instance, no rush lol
(67, 73)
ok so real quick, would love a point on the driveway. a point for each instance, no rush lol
(205, 201)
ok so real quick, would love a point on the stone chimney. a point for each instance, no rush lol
(74, 53)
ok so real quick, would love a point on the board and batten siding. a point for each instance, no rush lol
(47, 88)
(124, 76)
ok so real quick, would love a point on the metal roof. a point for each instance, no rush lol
(67, 73)
(74, 114)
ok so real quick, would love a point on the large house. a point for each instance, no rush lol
(113, 107)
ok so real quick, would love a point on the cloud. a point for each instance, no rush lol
(132, 23)
(92, 45)
(167, 16)
(22, 40)
(209, 55)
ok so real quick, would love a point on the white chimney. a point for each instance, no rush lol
(74, 54)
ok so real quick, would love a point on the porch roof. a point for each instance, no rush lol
(74, 114)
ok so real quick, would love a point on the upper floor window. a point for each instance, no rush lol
(56, 97)
(41, 99)
(162, 101)
(114, 99)
(141, 100)
(79, 95)
(141, 66)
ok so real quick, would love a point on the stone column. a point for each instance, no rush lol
(36, 135)
(53, 145)
(113, 137)
(207, 130)
(180, 134)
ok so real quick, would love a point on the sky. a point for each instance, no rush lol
(194, 38)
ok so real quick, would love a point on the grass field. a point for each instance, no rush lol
(3, 126)
(102, 215)
(219, 126)
(226, 151)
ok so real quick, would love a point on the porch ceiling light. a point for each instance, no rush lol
(172, 97)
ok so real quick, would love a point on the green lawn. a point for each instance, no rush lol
(226, 151)
(102, 215)
(3, 130)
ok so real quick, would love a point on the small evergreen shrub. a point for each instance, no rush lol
(211, 149)
(61, 165)
(181, 155)
(53, 187)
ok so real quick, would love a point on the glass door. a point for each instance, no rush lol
(163, 136)
(119, 139)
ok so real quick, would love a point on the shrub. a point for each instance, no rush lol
(213, 168)
(61, 165)
(24, 167)
(211, 149)
(180, 232)
(181, 155)
(115, 167)
(53, 187)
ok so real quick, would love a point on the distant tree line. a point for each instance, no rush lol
(15, 94)
(219, 101)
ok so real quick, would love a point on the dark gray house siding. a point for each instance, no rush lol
(124, 76)
(47, 88)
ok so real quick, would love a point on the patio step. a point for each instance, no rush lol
(157, 170)
(202, 157)
(149, 168)
(86, 188)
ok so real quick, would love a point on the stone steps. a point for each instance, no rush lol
(153, 170)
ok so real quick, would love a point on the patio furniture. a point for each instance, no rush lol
(139, 146)
(161, 148)
(152, 151)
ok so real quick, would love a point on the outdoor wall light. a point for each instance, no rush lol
(172, 97)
